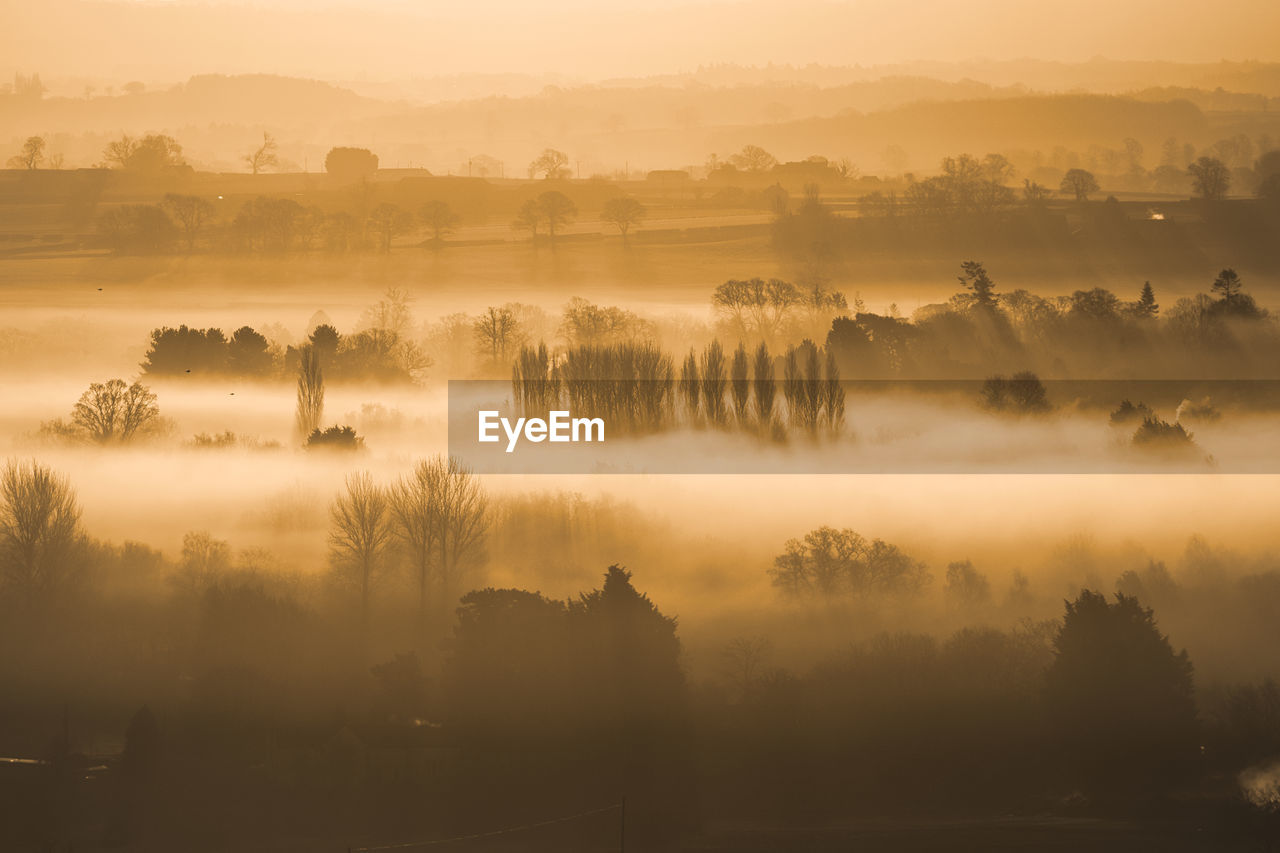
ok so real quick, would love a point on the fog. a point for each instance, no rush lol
(940, 396)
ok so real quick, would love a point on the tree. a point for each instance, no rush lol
(39, 530)
(1079, 183)
(1210, 177)
(150, 155)
(387, 221)
(439, 219)
(248, 353)
(204, 559)
(351, 165)
(1120, 697)
(740, 384)
(756, 308)
(310, 409)
(631, 653)
(264, 156)
(966, 585)
(528, 218)
(623, 212)
(762, 380)
(550, 164)
(831, 563)
(1146, 306)
(112, 412)
(138, 229)
(441, 517)
(31, 156)
(191, 213)
(753, 158)
(557, 210)
(1034, 194)
(338, 438)
(974, 278)
(1228, 284)
(359, 536)
(494, 330)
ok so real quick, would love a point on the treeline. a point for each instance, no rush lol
(635, 387)
(378, 354)
(540, 700)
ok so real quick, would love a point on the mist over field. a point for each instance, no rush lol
(936, 350)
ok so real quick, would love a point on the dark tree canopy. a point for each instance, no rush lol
(1121, 698)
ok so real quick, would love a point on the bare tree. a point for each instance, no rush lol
(763, 384)
(39, 530)
(112, 412)
(441, 516)
(388, 221)
(359, 535)
(740, 384)
(753, 158)
(623, 212)
(310, 392)
(494, 330)
(264, 156)
(440, 220)
(550, 164)
(744, 660)
(191, 213)
(31, 156)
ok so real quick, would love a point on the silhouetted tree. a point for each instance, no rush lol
(31, 156)
(150, 155)
(248, 353)
(337, 437)
(112, 412)
(1228, 285)
(39, 531)
(831, 563)
(740, 384)
(1120, 697)
(528, 218)
(763, 385)
(351, 165)
(439, 219)
(1079, 183)
(264, 156)
(550, 164)
(495, 329)
(359, 535)
(310, 410)
(966, 585)
(556, 210)
(753, 158)
(1146, 306)
(713, 383)
(387, 221)
(441, 516)
(624, 212)
(1210, 177)
(191, 213)
(138, 229)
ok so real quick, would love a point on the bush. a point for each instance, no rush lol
(1022, 394)
(1155, 434)
(1127, 413)
(335, 438)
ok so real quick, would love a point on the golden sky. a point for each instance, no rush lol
(388, 39)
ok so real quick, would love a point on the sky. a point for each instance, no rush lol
(163, 41)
